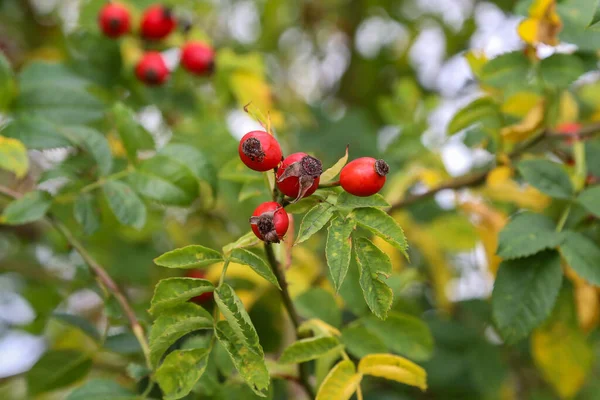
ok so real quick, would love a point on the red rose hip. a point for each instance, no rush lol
(114, 20)
(260, 151)
(298, 175)
(151, 69)
(569, 129)
(157, 22)
(204, 297)
(198, 58)
(269, 222)
(364, 176)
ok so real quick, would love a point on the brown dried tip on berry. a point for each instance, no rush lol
(382, 168)
(253, 149)
(266, 226)
(307, 170)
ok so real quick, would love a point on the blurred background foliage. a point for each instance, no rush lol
(384, 77)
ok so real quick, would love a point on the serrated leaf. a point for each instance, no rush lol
(314, 220)
(13, 156)
(78, 322)
(403, 334)
(310, 349)
(169, 327)
(583, 255)
(483, 112)
(173, 291)
(133, 135)
(590, 199)
(257, 264)
(524, 293)
(86, 213)
(35, 132)
(341, 382)
(561, 69)
(548, 177)
(236, 315)
(394, 368)
(527, 234)
(101, 389)
(187, 257)
(330, 173)
(360, 341)
(94, 143)
(125, 204)
(373, 264)
(348, 201)
(29, 208)
(180, 371)
(318, 303)
(381, 224)
(250, 365)
(338, 249)
(247, 240)
(57, 369)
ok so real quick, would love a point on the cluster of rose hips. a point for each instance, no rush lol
(297, 176)
(157, 23)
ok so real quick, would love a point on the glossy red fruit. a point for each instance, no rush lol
(269, 222)
(204, 297)
(298, 175)
(364, 176)
(198, 58)
(114, 20)
(260, 151)
(151, 69)
(157, 22)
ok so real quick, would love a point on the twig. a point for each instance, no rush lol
(291, 310)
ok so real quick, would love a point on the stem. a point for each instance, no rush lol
(329, 185)
(291, 310)
(359, 395)
(224, 271)
(563, 218)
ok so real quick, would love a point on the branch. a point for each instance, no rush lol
(291, 310)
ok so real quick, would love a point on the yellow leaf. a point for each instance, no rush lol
(131, 51)
(431, 178)
(13, 156)
(306, 267)
(587, 301)
(568, 108)
(457, 227)
(520, 103)
(528, 30)
(499, 176)
(341, 382)
(529, 126)
(329, 174)
(397, 259)
(543, 25)
(476, 61)
(249, 87)
(395, 368)
(318, 328)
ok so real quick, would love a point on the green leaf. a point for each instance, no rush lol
(35, 133)
(561, 69)
(169, 327)
(509, 69)
(85, 211)
(310, 349)
(236, 171)
(527, 234)
(338, 249)
(101, 389)
(373, 264)
(236, 315)
(125, 204)
(314, 220)
(192, 256)
(360, 341)
(548, 177)
(57, 369)
(304, 204)
(180, 371)
(247, 240)
(7, 83)
(257, 264)
(94, 143)
(29, 208)
(195, 161)
(348, 201)
(123, 343)
(583, 255)
(403, 334)
(589, 198)
(483, 111)
(250, 365)
(13, 156)
(524, 293)
(174, 291)
(78, 322)
(330, 173)
(133, 135)
(381, 224)
(320, 304)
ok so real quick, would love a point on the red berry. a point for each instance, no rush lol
(151, 69)
(298, 175)
(364, 176)
(204, 297)
(198, 58)
(157, 22)
(260, 151)
(570, 129)
(114, 20)
(269, 222)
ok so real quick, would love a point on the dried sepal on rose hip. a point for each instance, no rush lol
(269, 222)
(298, 175)
(158, 22)
(260, 151)
(364, 176)
(152, 69)
(114, 20)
